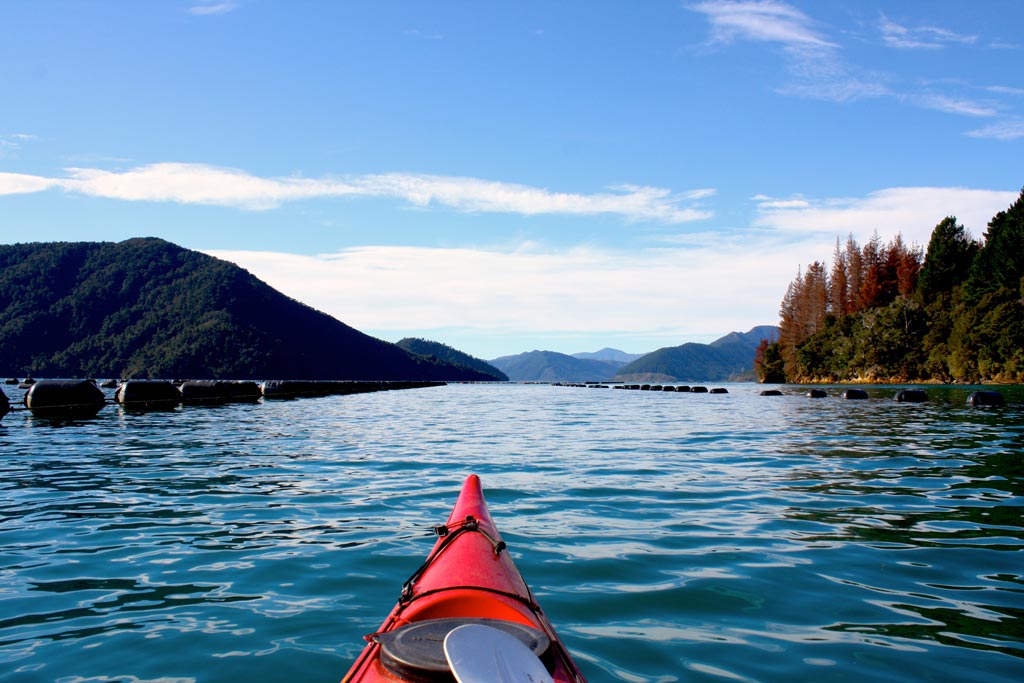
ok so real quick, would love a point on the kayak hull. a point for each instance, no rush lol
(467, 576)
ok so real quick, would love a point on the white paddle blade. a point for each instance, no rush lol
(481, 654)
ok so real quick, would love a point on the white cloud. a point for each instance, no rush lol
(922, 37)
(913, 211)
(766, 21)
(19, 183)
(203, 184)
(12, 141)
(670, 293)
(816, 68)
(215, 8)
(199, 184)
(713, 281)
(952, 105)
(1007, 129)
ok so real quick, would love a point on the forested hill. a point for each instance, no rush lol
(887, 312)
(731, 357)
(446, 354)
(148, 308)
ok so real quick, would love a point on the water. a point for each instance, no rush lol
(669, 537)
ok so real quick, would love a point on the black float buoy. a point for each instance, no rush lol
(699, 390)
(683, 387)
(817, 393)
(242, 392)
(64, 398)
(5, 405)
(855, 394)
(719, 390)
(202, 392)
(771, 392)
(148, 394)
(911, 396)
(986, 398)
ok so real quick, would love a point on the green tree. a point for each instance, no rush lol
(951, 251)
(1000, 262)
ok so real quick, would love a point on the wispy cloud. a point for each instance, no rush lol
(206, 9)
(920, 37)
(766, 21)
(913, 211)
(210, 185)
(1005, 130)
(954, 105)
(813, 61)
(12, 141)
(416, 33)
(816, 66)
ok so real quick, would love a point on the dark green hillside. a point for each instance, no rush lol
(549, 366)
(729, 357)
(446, 354)
(148, 308)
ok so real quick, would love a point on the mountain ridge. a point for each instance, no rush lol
(436, 350)
(730, 356)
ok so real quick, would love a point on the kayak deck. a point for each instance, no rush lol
(468, 578)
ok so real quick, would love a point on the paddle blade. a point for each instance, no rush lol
(481, 654)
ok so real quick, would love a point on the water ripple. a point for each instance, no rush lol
(670, 537)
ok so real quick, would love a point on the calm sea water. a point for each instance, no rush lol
(669, 537)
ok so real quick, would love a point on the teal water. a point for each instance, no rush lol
(669, 537)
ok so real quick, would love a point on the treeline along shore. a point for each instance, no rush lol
(890, 313)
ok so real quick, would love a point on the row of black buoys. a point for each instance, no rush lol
(976, 398)
(57, 398)
(681, 388)
(985, 398)
(310, 388)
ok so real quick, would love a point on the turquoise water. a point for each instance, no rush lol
(669, 537)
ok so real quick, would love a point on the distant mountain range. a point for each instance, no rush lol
(731, 357)
(148, 308)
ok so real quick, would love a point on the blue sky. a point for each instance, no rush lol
(510, 176)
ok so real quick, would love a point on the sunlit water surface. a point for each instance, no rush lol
(669, 537)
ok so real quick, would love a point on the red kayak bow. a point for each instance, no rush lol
(468, 578)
